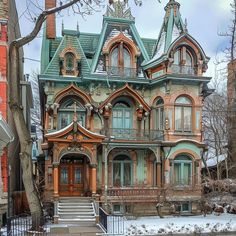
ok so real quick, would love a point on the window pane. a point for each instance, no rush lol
(185, 207)
(65, 119)
(188, 59)
(78, 176)
(177, 173)
(186, 173)
(116, 174)
(127, 174)
(114, 58)
(187, 118)
(127, 59)
(178, 125)
(183, 100)
(69, 61)
(177, 57)
(161, 118)
(64, 176)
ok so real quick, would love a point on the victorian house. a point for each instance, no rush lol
(122, 114)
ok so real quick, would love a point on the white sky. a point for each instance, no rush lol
(205, 19)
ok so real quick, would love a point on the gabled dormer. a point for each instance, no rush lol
(176, 51)
(120, 51)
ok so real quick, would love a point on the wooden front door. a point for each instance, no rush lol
(71, 179)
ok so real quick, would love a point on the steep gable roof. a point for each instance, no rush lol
(68, 40)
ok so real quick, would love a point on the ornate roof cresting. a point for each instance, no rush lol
(119, 9)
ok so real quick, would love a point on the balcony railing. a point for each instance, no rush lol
(124, 72)
(135, 134)
(187, 70)
(133, 192)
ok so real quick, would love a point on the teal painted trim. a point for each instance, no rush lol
(180, 20)
(169, 30)
(117, 20)
(70, 32)
(139, 42)
(99, 48)
(151, 64)
(44, 51)
(59, 79)
(188, 146)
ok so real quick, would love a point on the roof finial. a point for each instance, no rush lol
(185, 25)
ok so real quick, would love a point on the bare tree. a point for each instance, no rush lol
(215, 116)
(78, 6)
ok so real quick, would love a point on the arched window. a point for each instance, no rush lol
(188, 59)
(70, 62)
(122, 116)
(159, 121)
(67, 110)
(183, 62)
(182, 170)
(177, 57)
(183, 114)
(122, 171)
(120, 61)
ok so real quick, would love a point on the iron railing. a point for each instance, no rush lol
(135, 134)
(103, 218)
(132, 192)
(21, 225)
(187, 70)
(125, 72)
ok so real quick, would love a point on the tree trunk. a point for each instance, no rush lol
(24, 137)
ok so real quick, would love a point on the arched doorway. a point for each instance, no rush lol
(73, 175)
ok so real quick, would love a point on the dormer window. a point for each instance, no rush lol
(69, 62)
(183, 62)
(121, 55)
(120, 61)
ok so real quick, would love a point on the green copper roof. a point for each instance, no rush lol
(66, 41)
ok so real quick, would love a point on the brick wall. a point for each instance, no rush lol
(51, 23)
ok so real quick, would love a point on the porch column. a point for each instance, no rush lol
(55, 180)
(94, 178)
(158, 175)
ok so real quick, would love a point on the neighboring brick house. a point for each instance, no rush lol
(9, 30)
(122, 114)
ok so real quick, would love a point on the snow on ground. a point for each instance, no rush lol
(189, 224)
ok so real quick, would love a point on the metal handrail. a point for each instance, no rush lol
(178, 69)
(135, 134)
(122, 71)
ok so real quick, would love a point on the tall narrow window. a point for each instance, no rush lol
(183, 114)
(70, 58)
(159, 121)
(122, 171)
(120, 61)
(182, 171)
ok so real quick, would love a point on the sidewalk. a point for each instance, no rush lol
(57, 230)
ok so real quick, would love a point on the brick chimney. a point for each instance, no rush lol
(51, 22)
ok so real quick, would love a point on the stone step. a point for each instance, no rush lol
(91, 213)
(74, 204)
(75, 207)
(76, 217)
(73, 199)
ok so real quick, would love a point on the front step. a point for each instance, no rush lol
(76, 210)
